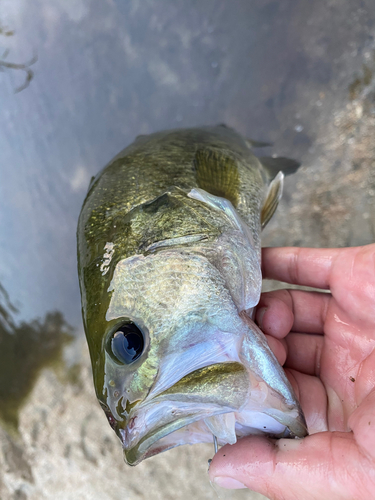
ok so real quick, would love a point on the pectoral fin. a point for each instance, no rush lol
(274, 193)
(217, 173)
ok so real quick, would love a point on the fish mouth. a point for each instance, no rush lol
(209, 401)
(179, 414)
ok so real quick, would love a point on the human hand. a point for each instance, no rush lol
(327, 342)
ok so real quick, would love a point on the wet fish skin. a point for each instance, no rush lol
(169, 237)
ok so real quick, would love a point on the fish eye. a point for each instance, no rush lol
(127, 343)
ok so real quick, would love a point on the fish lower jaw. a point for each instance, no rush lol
(228, 427)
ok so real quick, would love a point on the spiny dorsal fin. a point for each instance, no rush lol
(257, 144)
(274, 165)
(250, 142)
(274, 193)
(217, 173)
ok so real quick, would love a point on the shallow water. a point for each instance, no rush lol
(298, 74)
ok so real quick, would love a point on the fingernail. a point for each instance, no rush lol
(228, 482)
(259, 316)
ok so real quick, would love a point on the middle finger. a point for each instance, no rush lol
(282, 311)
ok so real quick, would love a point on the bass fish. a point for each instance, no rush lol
(169, 258)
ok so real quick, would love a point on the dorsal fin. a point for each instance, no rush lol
(274, 193)
(257, 144)
(217, 173)
(274, 165)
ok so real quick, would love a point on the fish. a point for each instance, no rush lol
(169, 263)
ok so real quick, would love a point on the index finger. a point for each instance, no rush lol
(299, 266)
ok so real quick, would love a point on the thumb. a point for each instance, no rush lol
(321, 466)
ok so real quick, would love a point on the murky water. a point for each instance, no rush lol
(79, 80)
(25, 349)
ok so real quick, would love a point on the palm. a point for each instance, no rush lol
(328, 344)
(348, 356)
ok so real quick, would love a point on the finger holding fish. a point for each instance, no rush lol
(299, 266)
(278, 347)
(274, 313)
(304, 353)
(282, 314)
(282, 311)
(281, 469)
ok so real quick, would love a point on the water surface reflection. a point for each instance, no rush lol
(25, 349)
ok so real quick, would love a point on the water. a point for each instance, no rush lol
(26, 348)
